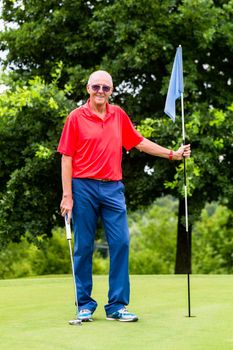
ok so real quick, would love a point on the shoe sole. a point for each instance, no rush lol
(86, 319)
(75, 322)
(121, 319)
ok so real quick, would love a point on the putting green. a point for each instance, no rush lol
(34, 314)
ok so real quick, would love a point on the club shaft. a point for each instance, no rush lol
(72, 265)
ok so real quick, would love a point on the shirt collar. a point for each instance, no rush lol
(88, 111)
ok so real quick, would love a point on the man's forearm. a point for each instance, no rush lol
(153, 148)
(66, 172)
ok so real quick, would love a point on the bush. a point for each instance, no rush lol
(42, 257)
(100, 265)
(213, 240)
(153, 245)
(153, 238)
(16, 260)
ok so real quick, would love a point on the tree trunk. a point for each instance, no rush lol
(184, 243)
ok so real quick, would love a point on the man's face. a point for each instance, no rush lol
(99, 89)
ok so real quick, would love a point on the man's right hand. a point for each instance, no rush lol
(66, 206)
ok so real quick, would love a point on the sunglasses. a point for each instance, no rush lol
(105, 88)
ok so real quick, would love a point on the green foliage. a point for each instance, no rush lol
(133, 39)
(153, 241)
(31, 120)
(63, 42)
(100, 265)
(53, 255)
(213, 241)
(192, 179)
(153, 238)
(16, 259)
(43, 256)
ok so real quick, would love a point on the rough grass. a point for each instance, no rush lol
(34, 314)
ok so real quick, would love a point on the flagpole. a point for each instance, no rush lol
(175, 91)
(186, 207)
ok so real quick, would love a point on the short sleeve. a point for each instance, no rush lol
(69, 137)
(130, 136)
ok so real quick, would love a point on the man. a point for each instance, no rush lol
(91, 147)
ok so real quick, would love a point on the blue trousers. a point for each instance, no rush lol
(93, 198)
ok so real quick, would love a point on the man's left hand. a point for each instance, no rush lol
(182, 152)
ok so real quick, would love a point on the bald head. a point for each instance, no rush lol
(100, 75)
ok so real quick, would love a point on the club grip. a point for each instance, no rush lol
(68, 228)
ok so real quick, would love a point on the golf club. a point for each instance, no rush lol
(69, 237)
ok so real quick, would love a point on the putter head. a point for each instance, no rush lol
(75, 322)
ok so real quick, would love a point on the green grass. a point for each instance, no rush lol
(34, 314)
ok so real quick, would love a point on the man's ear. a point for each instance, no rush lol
(111, 91)
(88, 88)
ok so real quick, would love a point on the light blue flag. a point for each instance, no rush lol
(176, 85)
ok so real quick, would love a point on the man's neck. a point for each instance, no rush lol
(100, 110)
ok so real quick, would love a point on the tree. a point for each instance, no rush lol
(45, 32)
(136, 41)
(31, 120)
(210, 177)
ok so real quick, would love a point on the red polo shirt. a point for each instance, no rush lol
(95, 145)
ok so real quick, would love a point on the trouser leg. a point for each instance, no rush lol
(84, 215)
(114, 218)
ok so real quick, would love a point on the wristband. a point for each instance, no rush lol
(171, 155)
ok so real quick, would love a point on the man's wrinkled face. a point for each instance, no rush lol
(99, 88)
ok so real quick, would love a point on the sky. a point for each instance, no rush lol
(9, 25)
(2, 54)
(1, 24)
